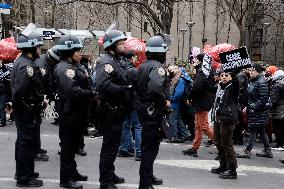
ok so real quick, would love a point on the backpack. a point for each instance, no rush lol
(186, 94)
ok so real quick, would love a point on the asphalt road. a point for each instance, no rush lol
(177, 170)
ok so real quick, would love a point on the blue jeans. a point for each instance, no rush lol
(3, 101)
(252, 137)
(126, 141)
(177, 127)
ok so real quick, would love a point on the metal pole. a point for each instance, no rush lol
(182, 45)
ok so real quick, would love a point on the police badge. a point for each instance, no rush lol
(30, 71)
(108, 68)
(70, 73)
(161, 71)
(43, 71)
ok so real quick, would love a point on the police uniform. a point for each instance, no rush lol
(153, 91)
(74, 94)
(112, 85)
(27, 98)
(152, 87)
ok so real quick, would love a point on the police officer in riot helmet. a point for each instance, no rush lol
(152, 83)
(74, 94)
(113, 85)
(46, 63)
(27, 99)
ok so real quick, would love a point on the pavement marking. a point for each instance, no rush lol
(208, 164)
(3, 179)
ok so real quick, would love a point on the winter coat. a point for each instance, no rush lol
(277, 99)
(225, 110)
(203, 91)
(177, 95)
(258, 108)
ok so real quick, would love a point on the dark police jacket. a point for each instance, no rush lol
(152, 84)
(27, 88)
(48, 78)
(112, 82)
(74, 90)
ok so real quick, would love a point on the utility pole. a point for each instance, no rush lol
(183, 33)
(178, 26)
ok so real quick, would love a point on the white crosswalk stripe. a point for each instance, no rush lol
(208, 164)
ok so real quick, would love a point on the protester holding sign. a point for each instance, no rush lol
(225, 118)
(202, 95)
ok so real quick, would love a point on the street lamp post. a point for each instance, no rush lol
(189, 25)
(183, 33)
(266, 25)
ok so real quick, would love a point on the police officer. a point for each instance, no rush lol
(27, 98)
(46, 63)
(112, 84)
(74, 93)
(153, 95)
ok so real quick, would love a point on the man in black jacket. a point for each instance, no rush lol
(202, 95)
(225, 117)
(153, 94)
(113, 85)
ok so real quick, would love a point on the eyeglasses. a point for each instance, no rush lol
(225, 75)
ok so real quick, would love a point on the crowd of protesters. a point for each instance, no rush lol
(243, 101)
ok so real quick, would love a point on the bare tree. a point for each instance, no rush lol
(159, 13)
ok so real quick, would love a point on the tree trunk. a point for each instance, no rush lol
(242, 35)
(32, 5)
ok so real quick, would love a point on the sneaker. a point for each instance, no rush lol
(185, 138)
(230, 174)
(190, 152)
(208, 143)
(31, 183)
(175, 140)
(245, 154)
(265, 153)
(122, 153)
(137, 157)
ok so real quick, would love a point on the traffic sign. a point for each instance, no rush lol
(5, 6)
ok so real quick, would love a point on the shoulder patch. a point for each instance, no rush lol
(161, 71)
(30, 71)
(43, 71)
(108, 68)
(70, 73)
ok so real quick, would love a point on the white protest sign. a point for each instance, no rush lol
(206, 65)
